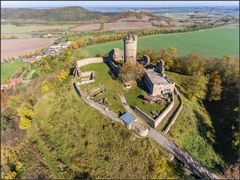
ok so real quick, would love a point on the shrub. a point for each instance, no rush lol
(26, 112)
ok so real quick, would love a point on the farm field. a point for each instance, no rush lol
(8, 69)
(87, 27)
(211, 42)
(26, 31)
(127, 25)
(15, 47)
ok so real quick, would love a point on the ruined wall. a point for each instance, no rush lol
(115, 69)
(155, 122)
(176, 114)
(130, 47)
(116, 54)
(101, 108)
(146, 117)
(92, 60)
(160, 67)
(148, 83)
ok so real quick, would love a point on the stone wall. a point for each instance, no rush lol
(146, 117)
(92, 60)
(101, 108)
(176, 114)
(115, 69)
(155, 122)
(159, 119)
(116, 54)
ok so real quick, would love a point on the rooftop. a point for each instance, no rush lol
(156, 78)
(128, 118)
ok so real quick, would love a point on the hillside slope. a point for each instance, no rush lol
(193, 130)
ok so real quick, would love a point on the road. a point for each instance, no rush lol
(190, 163)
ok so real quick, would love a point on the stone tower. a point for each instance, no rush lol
(130, 47)
(160, 67)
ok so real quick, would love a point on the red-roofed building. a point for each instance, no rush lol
(15, 81)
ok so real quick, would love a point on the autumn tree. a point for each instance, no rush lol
(214, 87)
(228, 68)
(131, 71)
(74, 45)
(168, 55)
(196, 86)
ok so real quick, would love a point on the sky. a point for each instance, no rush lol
(52, 4)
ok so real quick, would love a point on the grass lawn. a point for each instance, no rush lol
(114, 88)
(133, 98)
(8, 69)
(211, 42)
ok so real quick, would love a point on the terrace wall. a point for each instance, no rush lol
(101, 108)
(146, 117)
(115, 69)
(159, 119)
(176, 114)
(92, 60)
(154, 123)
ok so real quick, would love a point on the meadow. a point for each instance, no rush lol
(27, 30)
(215, 42)
(81, 139)
(10, 68)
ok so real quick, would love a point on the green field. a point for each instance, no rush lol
(210, 42)
(27, 30)
(10, 68)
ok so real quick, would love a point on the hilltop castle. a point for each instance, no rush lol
(154, 79)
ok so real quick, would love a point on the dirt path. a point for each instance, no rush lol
(30, 74)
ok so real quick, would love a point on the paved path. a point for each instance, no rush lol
(126, 105)
(190, 163)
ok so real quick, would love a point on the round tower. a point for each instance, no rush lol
(130, 47)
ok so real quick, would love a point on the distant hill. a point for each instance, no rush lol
(137, 16)
(77, 13)
(56, 14)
